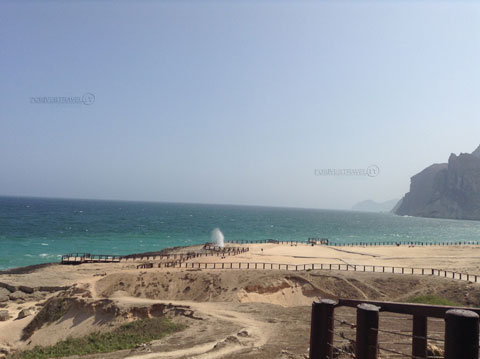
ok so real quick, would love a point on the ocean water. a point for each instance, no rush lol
(34, 230)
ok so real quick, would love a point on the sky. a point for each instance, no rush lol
(234, 102)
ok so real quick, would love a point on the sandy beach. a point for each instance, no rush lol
(230, 313)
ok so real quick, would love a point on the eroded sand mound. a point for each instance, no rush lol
(281, 288)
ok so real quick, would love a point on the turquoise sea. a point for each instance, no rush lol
(38, 230)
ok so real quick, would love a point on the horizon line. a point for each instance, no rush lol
(173, 202)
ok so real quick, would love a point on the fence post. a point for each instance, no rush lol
(367, 331)
(321, 330)
(419, 337)
(461, 334)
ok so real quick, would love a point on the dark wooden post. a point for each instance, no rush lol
(461, 334)
(367, 331)
(321, 331)
(419, 337)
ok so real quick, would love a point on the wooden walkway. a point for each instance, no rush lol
(79, 258)
(210, 251)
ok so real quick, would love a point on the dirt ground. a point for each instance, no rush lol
(229, 313)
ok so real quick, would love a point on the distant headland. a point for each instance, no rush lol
(445, 190)
(373, 206)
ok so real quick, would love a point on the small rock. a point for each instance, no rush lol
(4, 351)
(4, 292)
(348, 348)
(433, 350)
(24, 313)
(287, 355)
(25, 289)
(4, 315)
(36, 296)
(17, 295)
(230, 340)
(3, 298)
(9, 287)
(243, 333)
(145, 348)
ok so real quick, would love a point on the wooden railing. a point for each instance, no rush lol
(327, 242)
(461, 335)
(78, 258)
(215, 248)
(232, 251)
(316, 266)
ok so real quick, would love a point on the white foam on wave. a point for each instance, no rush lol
(217, 237)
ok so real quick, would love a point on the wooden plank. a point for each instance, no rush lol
(434, 311)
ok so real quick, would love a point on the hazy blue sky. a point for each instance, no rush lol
(235, 102)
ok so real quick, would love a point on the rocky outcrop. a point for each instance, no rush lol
(446, 190)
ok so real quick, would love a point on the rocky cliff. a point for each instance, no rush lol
(445, 190)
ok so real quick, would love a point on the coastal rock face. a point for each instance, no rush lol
(446, 190)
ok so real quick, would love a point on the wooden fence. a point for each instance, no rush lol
(232, 251)
(461, 335)
(327, 242)
(316, 266)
